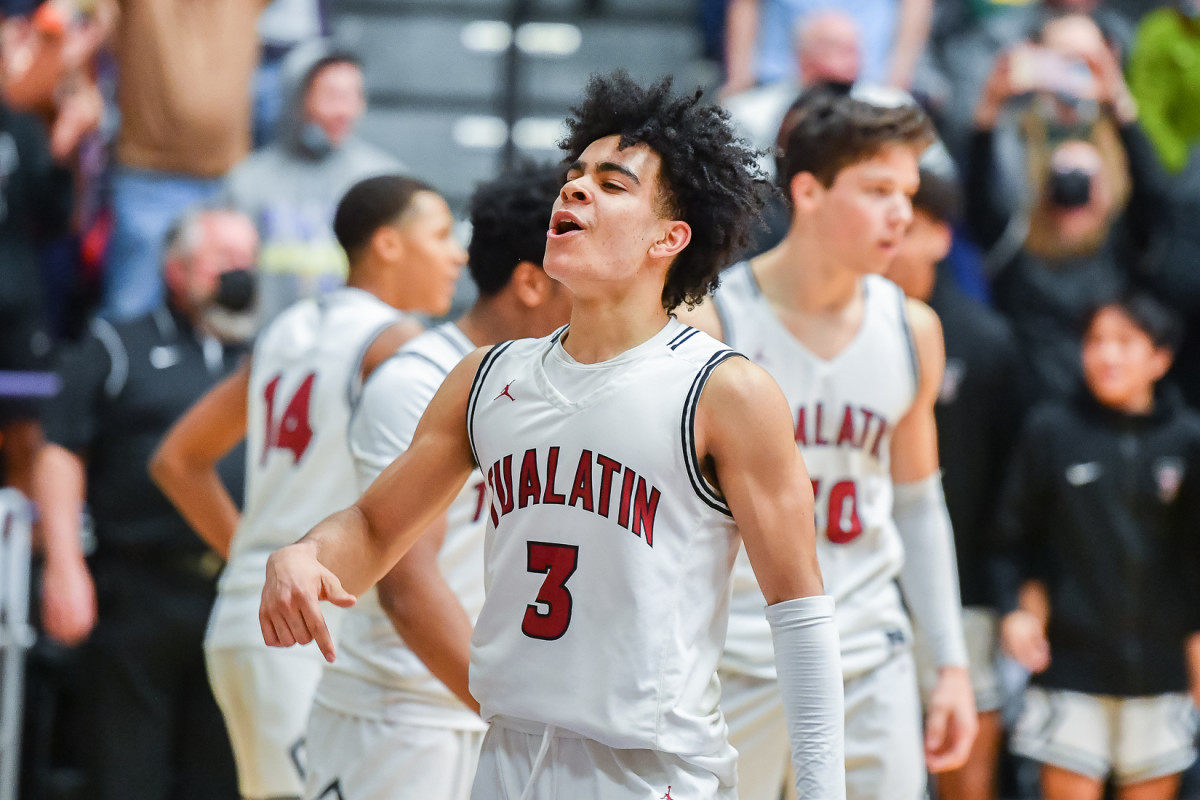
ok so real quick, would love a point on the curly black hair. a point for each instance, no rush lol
(709, 177)
(509, 219)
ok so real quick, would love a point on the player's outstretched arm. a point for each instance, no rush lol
(747, 446)
(929, 577)
(185, 464)
(428, 615)
(349, 551)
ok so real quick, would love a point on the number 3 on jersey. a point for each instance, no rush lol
(557, 562)
(291, 431)
(842, 525)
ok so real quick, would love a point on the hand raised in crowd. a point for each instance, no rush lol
(951, 722)
(996, 91)
(1111, 88)
(68, 600)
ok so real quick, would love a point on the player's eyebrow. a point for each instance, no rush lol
(607, 166)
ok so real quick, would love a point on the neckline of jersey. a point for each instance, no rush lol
(801, 347)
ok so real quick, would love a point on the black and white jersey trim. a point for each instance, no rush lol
(485, 366)
(690, 458)
(909, 341)
(355, 384)
(558, 334)
(681, 337)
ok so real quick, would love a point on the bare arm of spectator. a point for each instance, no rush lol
(70, 422)
(68, 594)
(912, 32)
(185, 464)
(741, 41)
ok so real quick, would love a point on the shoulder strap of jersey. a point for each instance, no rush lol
(485, 366)
(690, 457)
(909, 341)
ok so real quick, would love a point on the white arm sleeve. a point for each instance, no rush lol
(808, 661)
(929, 578)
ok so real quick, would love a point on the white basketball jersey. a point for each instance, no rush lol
(608, 556)
(375, 675)
(845, 410)
(304, 380)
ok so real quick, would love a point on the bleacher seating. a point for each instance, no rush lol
(437, 73)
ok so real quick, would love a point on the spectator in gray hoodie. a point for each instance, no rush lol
(291, 187)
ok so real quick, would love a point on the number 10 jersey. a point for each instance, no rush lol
(844, 410)
(608, 557)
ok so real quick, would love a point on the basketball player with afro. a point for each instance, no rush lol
(624, 455)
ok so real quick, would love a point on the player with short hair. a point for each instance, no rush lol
(619, 453)
(292, 403)
(393, 718)
(861, 367)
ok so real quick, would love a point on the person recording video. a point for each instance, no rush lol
(1092, 199)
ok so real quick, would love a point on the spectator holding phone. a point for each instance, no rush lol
(1099, 549)
(1094, 194)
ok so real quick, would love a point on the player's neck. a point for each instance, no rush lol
(800, 276)
(603, 329)
(490, 321)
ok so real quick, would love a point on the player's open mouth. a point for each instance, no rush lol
(564, 223)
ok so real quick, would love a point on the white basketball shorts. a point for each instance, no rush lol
(265, 694)
(1134, 738)
(884, 755)
(979, 630)
(354, 758)
(583, 769)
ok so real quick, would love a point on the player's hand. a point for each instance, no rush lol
(952, 721)
(1023, 637)
(290, 612)
(68, 601)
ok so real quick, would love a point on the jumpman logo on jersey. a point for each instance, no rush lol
(506, 393)
(667, 796)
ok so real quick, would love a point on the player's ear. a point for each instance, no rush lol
(387, 243)
(805, 191)
(673, 238)
(531, 284)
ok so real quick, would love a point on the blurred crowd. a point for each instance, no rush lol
(164, 161)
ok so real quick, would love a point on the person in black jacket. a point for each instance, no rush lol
(1099, 547)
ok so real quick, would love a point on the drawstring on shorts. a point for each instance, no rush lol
(548, 741)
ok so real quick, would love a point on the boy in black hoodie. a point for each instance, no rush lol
(1099, 531)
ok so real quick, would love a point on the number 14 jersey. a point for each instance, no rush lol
(608, 557)
(844, 410)
(305, 379)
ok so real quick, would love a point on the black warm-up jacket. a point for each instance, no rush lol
(1104, 508)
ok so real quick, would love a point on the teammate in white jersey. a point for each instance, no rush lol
(619, 452)
(292, 403)
(383, 727)
(861, 367)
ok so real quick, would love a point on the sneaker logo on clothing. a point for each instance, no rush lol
(1168, 475)
(506, 393)
(163, 356)
(667, 796)
(1083, 474)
